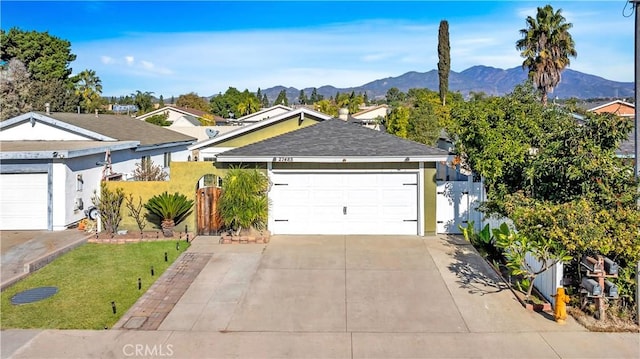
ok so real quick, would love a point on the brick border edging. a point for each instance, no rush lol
(38, 263)
(154, 312)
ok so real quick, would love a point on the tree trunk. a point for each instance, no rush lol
(167, 228)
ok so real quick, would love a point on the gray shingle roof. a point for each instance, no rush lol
(333, 138)
(122, 128)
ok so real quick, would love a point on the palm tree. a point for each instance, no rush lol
(171, 209)
(89, 88)
(143, 101)
(546, 45)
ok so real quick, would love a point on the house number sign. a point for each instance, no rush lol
(283, 159)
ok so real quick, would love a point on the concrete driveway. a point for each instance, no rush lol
(385, 284)
(26, 251)
(342, 297)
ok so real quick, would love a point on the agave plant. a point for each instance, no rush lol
(243, 203)
(171, 209)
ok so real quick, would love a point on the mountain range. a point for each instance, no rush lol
(490, 80)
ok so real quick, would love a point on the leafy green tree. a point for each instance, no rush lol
(560, 182)
(495, 136)
(423, 124)
(444, 63)
(243, 203)
(546, 46)
(327, 107)
(88, 87)
(59, 94)
(398, 121)
(46, 57)
(282, 98)
(265, 101)
(161, 102)
(192, 100)
(159, 119)
(226, 105)
(169, 210)
(394, 96)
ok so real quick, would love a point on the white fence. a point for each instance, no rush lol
(457, 204)
(548, 281)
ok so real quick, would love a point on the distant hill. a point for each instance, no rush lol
(490, 80)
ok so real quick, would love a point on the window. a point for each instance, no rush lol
(167, 159)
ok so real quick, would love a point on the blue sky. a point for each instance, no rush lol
(174, 47)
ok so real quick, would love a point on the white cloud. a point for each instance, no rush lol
(106, 60)
(342, 55)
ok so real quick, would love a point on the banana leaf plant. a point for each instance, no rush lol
(517, 247)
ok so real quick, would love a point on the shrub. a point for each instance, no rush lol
(108, 204)
(169, 210)
(243, 203)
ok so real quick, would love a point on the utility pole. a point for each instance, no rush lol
(636, 4)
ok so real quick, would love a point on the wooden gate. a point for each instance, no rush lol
(209, 221)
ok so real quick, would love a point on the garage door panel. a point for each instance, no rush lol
(325, 196)
(24, 201)
(345, 203)
(368, 197)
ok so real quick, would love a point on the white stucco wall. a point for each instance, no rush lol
(38, 132)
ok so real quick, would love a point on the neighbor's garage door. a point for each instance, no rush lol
(23, 201)
(344, 203)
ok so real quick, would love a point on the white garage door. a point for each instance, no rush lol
(344, 203)
(23, 201)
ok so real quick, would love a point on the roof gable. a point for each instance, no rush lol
(617, 106)
(103, 127)
(335, 139)
(264, 113)
(243, 130)
(180, 110)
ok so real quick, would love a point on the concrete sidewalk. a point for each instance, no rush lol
(338, 297)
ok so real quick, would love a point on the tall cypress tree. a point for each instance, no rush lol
(444, 59)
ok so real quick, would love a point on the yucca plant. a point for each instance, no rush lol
(243, 203)
(170, 209)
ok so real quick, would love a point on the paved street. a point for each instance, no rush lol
(338, 297)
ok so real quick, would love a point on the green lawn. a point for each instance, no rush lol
(89, 278)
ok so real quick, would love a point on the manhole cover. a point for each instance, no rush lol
(33, 295)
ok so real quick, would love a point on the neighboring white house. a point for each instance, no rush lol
(241, 135)
(53, 162)
(371, 116)
(181, 116)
